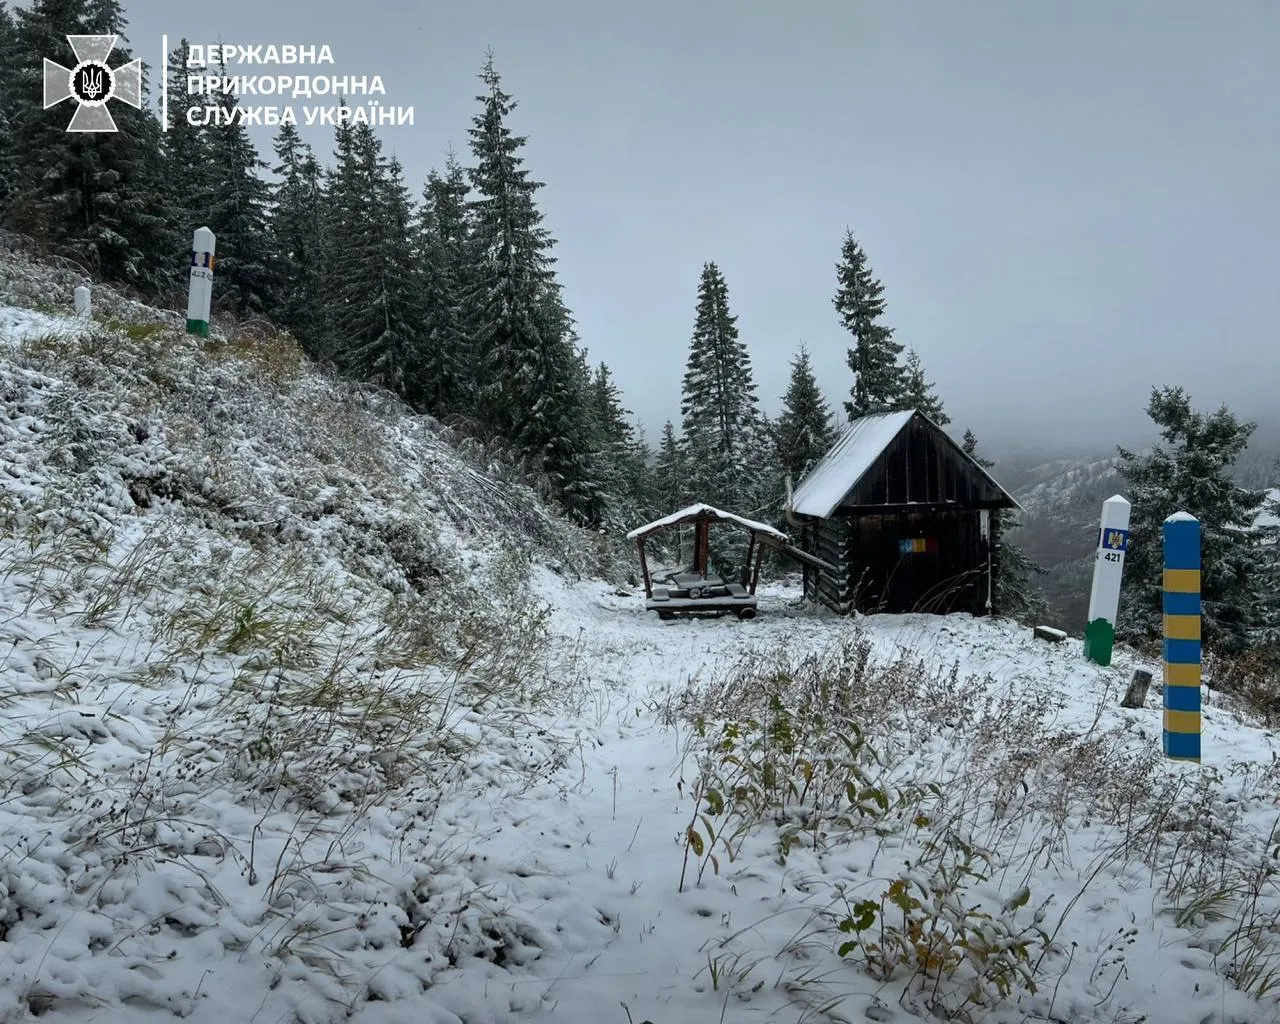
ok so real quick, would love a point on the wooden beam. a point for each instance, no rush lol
(791, 551)
(644, 568)
(755, 573)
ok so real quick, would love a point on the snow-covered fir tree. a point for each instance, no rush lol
(376, 298)
(620, 456)
(96, 197)
(446, 385)
(723, 433)
(1015, 593)
(1189, 470)
(531, 381)
(238, 210)
(919, 393)
(804, 431)
(8, 105)
(669, 484)
(392, 348)
(878, 378)
(298, 238)
(188, 152)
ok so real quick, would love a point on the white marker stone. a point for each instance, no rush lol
(1108, 567)
(84, 298)
(201, 294)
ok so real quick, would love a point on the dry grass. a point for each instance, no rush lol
(981, 790)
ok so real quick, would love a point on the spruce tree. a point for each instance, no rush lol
(670, 489)
(878, 379)
(563, 460)
(620, 456)
(348, 217)
(446, 386)
(1189, 470)
(1015, 593)
(376, 302)
(918, 392)
(804, 430)
(298, 239)
(8, 100)
(238, 214)
(722, 423)
(188, 150)
(516, 342)
(96, 197)
(532, 382)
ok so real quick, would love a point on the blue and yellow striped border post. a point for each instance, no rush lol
(1182, 637)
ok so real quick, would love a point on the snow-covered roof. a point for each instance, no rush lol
(701, 509)
(835, 474)
(863, 441)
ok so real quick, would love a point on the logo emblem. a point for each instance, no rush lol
(1115, 540)
(92, 83)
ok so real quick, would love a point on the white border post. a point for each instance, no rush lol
(1108, 567)
(201, 291)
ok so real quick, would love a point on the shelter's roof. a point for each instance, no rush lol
(710, 511)
(840, 469)
(856, 450)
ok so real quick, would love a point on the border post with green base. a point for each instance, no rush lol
(1108, 568)
(201, 290)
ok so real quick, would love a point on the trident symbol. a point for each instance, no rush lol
(92, 83)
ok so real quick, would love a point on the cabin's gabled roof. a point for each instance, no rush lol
(836, 473)
(861, 446)
(701, 511)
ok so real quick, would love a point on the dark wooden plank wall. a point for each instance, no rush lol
(879, 577)
(923, 467)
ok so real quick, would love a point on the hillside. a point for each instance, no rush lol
(1063, 498)
(313, 712)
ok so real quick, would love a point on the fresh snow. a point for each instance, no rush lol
(19, 325)
(701, 509)
(855, 451)
(172, 846)
(857, 448)
(1268, 517)
(572, 871)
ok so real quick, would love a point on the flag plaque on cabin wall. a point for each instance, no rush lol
(918, 546)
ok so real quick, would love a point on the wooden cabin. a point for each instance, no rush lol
(908, 519)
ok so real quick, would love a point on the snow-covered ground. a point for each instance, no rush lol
(311, 714)
(542, 881)
(19, 325)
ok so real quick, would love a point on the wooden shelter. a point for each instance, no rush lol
(695, 589)
(906, 517)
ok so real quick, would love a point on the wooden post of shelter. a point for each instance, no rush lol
(644, 570)
(755, 572)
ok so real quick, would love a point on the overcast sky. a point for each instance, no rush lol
(1066, 203)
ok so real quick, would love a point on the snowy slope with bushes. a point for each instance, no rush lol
(315, 713)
